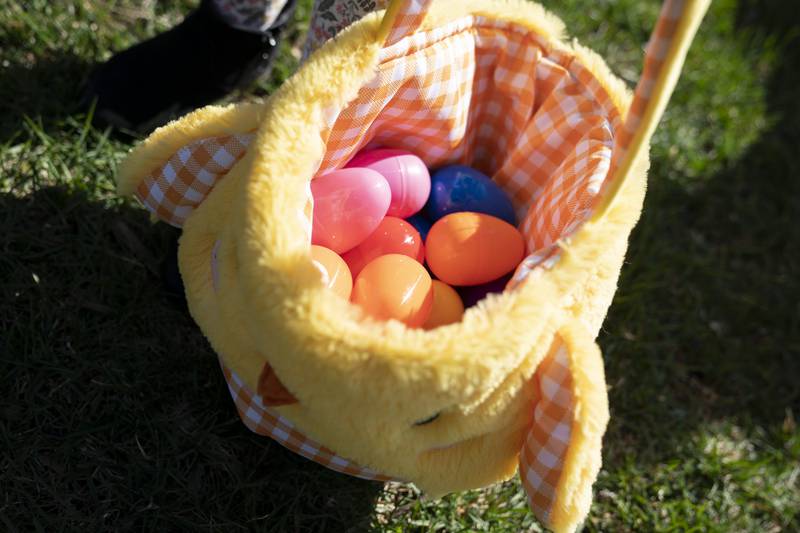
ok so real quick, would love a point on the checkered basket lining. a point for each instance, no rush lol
(477, 91)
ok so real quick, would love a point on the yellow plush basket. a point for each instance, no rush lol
(518, 383)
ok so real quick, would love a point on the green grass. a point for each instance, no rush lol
(113, 412)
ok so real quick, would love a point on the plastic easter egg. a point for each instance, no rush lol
(348, 206)
(395, 286)
(406, 174)
(333, 271)
(472, 295)
(392, 236)
(421, 224)
(447, 307)
(458, 188)
(473, 248)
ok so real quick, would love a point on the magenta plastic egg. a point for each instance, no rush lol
(406, 174)
(348, 206)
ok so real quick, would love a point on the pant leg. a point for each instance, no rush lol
(255, 16)
(331, 16)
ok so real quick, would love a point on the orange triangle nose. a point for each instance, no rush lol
(271, 389)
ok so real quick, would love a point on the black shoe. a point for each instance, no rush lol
(192, 65)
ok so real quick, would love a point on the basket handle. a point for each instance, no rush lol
(664, 56)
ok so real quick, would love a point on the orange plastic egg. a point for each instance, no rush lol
(472, 248)
(395, 286)
(333, 270)
(447, 307)
(393, 236)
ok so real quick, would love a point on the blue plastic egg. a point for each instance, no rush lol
(459, 188)
(421, 224)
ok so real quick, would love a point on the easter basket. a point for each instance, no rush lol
(518, 383)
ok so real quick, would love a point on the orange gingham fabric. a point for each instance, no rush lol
(476, 91)
(408, 18)
(172, 191)
(542, 457)
(266, 421)
(543, 127)
(488, 93)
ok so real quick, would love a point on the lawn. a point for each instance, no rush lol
(114, 415)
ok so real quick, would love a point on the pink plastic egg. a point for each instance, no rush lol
(348, 206)
(392, 236)
(406, 173)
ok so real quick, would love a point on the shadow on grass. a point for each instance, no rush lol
(113, 411)
(712, 333)
(47, 88)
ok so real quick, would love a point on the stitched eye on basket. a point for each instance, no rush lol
(428, 420)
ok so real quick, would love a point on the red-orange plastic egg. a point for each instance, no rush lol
(393, 236)
(395, 286)
(447, 307)
(472, 248)
(333, 270)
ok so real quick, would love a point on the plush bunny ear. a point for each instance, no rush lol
(173, 190)
(174, 169)
(560, 457)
